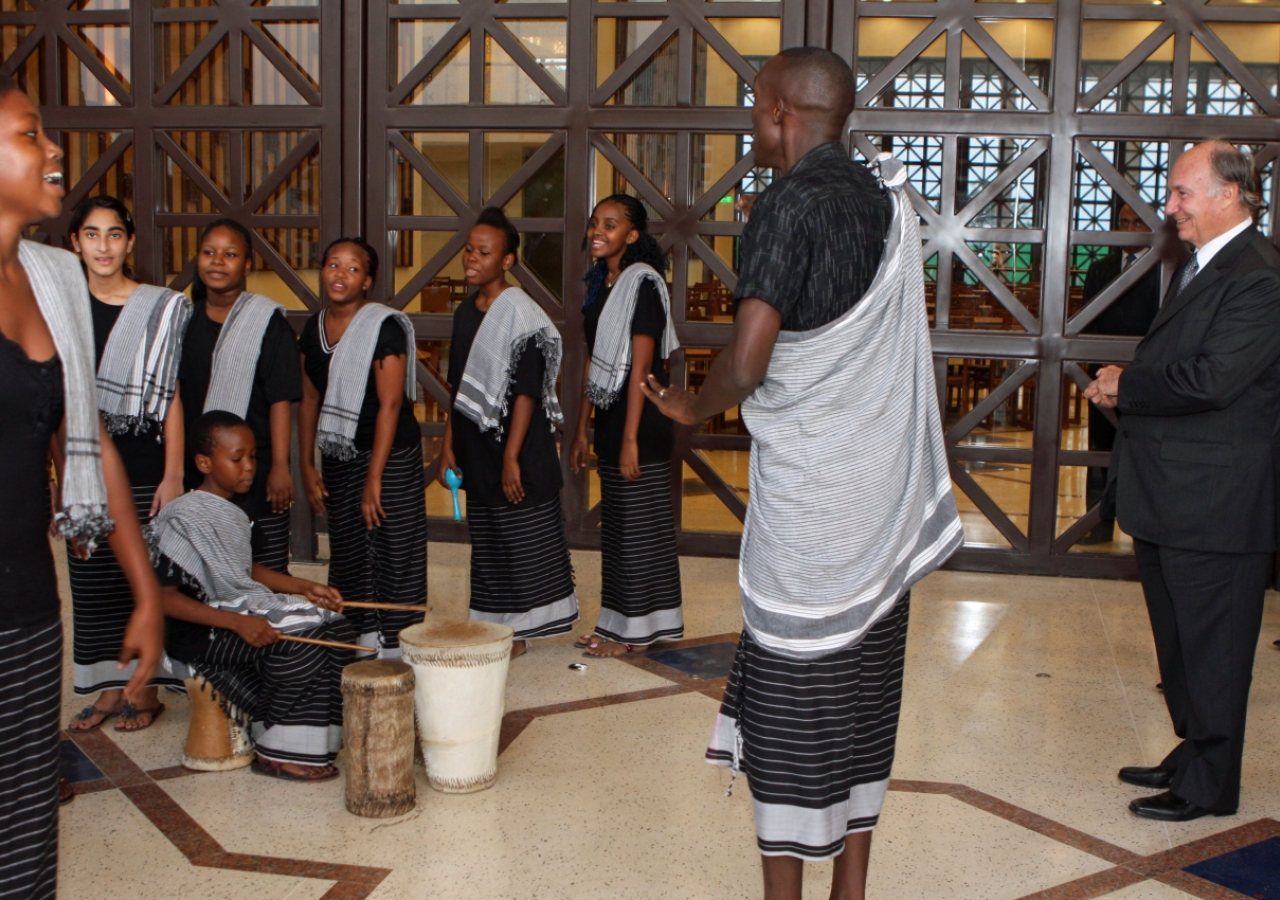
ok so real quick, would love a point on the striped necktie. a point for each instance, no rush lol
(1193, 267)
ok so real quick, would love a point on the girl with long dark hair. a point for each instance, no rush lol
(357, 396)
(137, 336)
(629, 336)
(241, 356)
(49, 408)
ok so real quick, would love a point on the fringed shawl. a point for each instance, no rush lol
(349, 376)
(139, 367)
(851, 499)
(209, 539)
(611, 358)
(63, 297)
(485, 390)
(235, 356)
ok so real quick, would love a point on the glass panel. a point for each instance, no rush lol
(411, 250)
(973, 306)
(505, 82)
(1147, 89)
(111, 45)
(983, 84)
(700, 509)
(654, 83)
(1103, 44)
(450, 81)
(880, 39)
(410, 194)
(300, 44)
(543, 253)
(1076, 485)
(448, 154)
(211, 152)
(28, 71)
(1095, 267)
(1144, 164)
(504, 154)
(980, 162)
(183, 4)
(1011, 424)
(922, 155)
(82, 150)
(715, 82)
(299, 193)
(922, 83)
(178, 246)
(547, 42)
(1213, 92)
(542, 196)
(210, 83)
(263, 83)
(1029, 43)
(300, 248)
(1257, 45)
(654, 155)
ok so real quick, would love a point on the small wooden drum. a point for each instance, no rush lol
(461, 672)
(377, 729)
(214, 742)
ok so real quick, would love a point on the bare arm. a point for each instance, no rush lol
(308, 422)
(736, 372)
(447, 459)
(388, 377)
(253, 630)
(578, 452)
(521, 414)
(175, 442)
(279, 482)
(319, 594)
(642, 347)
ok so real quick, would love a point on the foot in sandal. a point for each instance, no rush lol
(102, 710)
(611, 648)
(519, 648)
(132, 718)
(294, 771)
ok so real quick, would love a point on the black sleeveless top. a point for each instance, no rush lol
(31, 408)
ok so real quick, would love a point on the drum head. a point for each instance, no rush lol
(376, 670)
(470, 633)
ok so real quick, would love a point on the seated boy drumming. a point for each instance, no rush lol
(225, 614)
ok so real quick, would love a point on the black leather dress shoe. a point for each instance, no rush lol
(1148, 777)
(1169, 807)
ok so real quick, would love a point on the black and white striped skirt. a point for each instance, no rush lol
(30, 705)
(521, 574)
(101, 603)
(271, 541)
(289, 694)
(389, 563)
(640, 600)
(815, 738)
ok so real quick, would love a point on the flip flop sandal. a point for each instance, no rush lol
(129, 711)
(631, 648)
(583, 642)
(88, 713)
(276, 770)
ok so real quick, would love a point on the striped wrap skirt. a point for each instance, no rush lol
(271, 541)
(288, 695)
(815, 738)
(640, 598)
(101, 603)
(30, 706)
(521, 574)
(389, 563)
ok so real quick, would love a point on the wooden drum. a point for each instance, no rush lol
(377, 729)
(214, 742)
(461, 672)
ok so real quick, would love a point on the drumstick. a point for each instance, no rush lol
(398, 607)
(337, 645)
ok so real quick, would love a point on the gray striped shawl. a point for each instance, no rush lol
(63, 297)
(611, 358)
(208, 537)
(851, 499)
(235, 357)
(139, 367)
(485, 390)
(349, 376)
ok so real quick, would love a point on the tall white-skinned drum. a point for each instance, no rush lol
(460, 672)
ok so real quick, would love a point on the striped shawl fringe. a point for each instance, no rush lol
(611, 361)
(139, 368)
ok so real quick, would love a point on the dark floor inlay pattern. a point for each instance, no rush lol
(76, 767)
(706, 662)
(1253, 870)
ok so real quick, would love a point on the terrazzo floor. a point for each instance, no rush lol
(1023, 697)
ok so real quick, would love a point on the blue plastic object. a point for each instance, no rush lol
(454, 480)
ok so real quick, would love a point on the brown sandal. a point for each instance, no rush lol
(273, 769)
(128, 711)
(89, 712)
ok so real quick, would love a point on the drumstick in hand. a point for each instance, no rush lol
(337, 645)
(397, 607)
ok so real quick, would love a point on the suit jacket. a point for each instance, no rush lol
(1131, 313)
(1195, 463)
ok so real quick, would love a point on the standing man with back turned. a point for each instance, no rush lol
(851, 501)
(1194, 475)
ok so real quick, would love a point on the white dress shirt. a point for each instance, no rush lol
(1210, 250)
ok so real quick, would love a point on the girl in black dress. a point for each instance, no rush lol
(359, 371)
(101, 231)
(629, 334)
(503, 362)
(249, 368)
(48, 408)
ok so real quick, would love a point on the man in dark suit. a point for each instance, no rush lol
(1130, 314)
(1194, 471)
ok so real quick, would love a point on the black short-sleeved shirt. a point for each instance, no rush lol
(317, 352)
(656, 434)
(184, 641)
(142, 453)
(479, 454)
(814, 240)
(278, 377)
